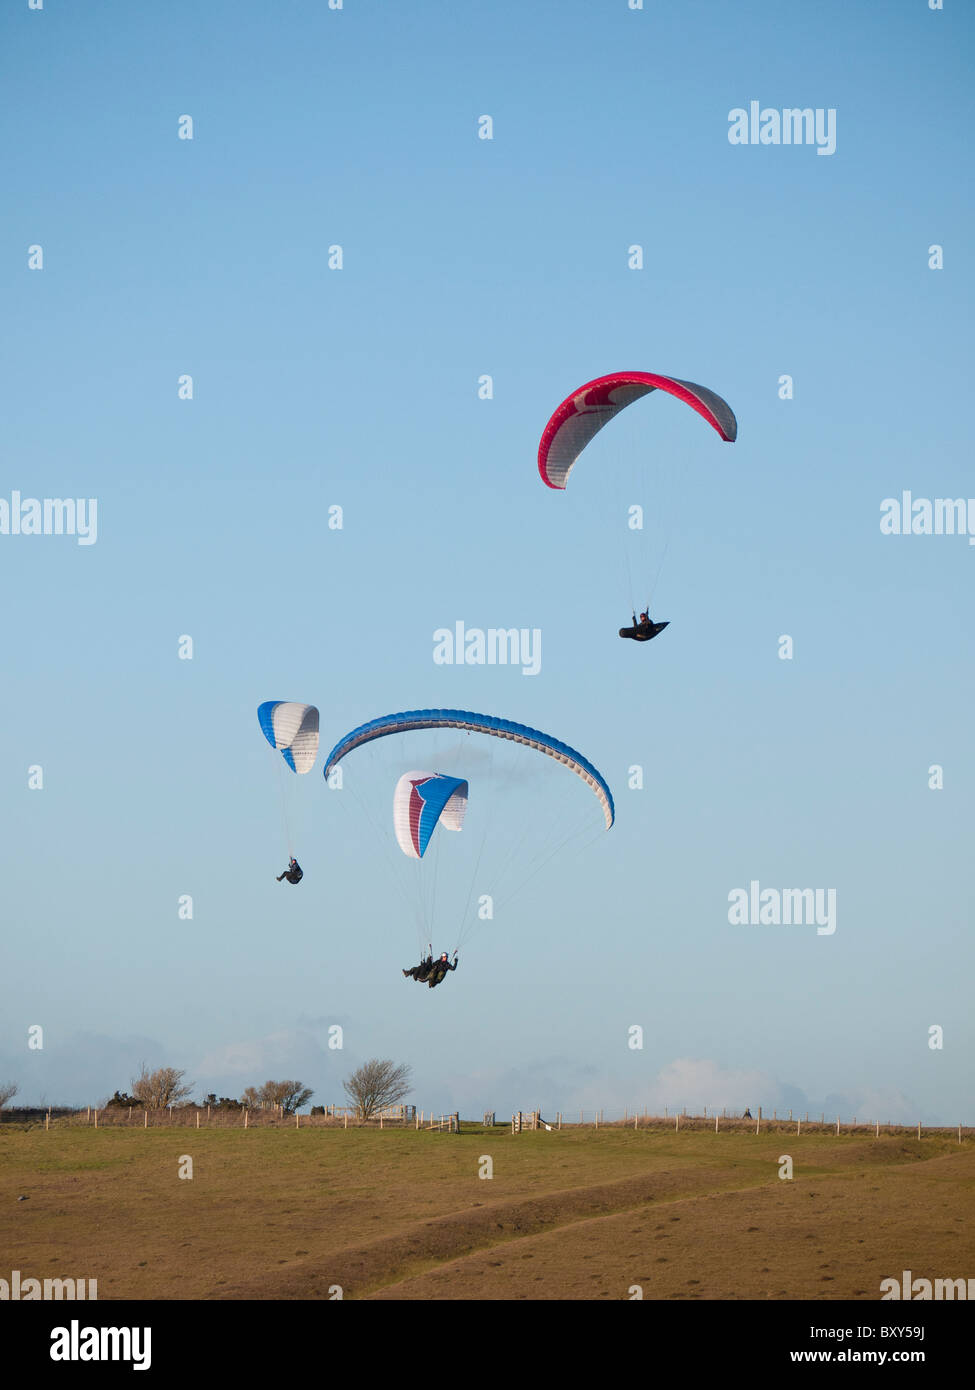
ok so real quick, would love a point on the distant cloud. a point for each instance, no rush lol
(292, 1054)
(870, 1106)
(81, 1068)
(505, 1090)
(560, 1084)
(696, 1083)
(86, 1068)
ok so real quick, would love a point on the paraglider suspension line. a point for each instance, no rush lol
(284, 804)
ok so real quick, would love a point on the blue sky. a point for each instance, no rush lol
(358, 388)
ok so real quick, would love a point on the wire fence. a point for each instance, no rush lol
(729, 1122)
(408, 1117)
(227, 1117)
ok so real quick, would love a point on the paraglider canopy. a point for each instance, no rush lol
(582, 415)
(525, 812)
(407, 720)
(423, 800)
(293, 730)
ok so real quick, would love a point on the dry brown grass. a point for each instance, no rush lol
(279, 1213)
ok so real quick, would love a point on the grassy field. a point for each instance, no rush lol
(575, 1214)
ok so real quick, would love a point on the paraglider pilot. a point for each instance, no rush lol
(643, 630)
(432, 972)
(293, 873)
(440, 969)
(421, 972)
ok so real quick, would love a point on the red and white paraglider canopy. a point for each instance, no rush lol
(582, 415)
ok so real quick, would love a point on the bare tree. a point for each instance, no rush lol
(377, 1084)
(8, 1089)
(155, 1090)
(251, 1098)
(290, 1095)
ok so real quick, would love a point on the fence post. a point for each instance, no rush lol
(715, 1123)
(837, 1124)
(245, 1117)
(918, 1124)
(198, 1119)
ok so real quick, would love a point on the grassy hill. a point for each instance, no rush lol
(282, 1213)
